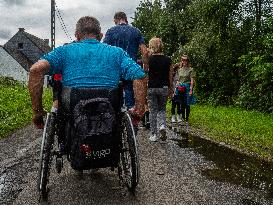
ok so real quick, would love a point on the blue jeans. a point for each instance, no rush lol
(157, 100)
(129, 94)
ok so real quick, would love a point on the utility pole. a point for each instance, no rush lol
(52, 24)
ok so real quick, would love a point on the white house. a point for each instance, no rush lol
(9, 67)
(19, 53)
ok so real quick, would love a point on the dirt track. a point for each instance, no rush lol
(169, 175)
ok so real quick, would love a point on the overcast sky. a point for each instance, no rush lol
(34, 16)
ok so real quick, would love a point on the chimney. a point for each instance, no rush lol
(46, 41)
(21, 29)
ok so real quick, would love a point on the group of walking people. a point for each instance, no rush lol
(157, 78)
(164, 80)
(168, 81)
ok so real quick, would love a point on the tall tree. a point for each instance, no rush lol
(227, 41)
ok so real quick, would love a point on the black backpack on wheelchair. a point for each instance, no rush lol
(94, 143)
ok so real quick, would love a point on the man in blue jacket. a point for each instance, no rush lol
(129, 39)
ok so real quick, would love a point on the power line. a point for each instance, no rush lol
(64, 28)
(53, 24)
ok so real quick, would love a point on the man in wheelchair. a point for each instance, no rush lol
(91, 72)
(86, 63)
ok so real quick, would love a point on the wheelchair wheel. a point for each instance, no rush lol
(129, 168)
(46, 156)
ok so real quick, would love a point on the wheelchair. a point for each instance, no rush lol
(58, 135)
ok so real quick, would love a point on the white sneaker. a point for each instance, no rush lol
(173, 120)
(179, 119)
(153, 138)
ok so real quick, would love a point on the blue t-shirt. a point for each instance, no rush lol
(89, 63)
(126, 37)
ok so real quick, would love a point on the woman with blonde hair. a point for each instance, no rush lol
(159, 87)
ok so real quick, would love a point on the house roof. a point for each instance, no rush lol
(22, 57)
(40, 43)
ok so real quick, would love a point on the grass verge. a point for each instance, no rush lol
(250, 131)
(15, 106)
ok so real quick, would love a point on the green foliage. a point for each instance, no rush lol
(257, 77)
(229, 43)
(156, 20)
(15, 106)
(8, 81)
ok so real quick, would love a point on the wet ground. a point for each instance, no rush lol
(230, 165)
(183, 170)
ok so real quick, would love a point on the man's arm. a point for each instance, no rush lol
(138, 111)
(140, 85)
(35, 86)
(145, 56)
(132, 71)
(140, 94)
(171, 79)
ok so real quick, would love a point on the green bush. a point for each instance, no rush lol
(230, 49)
(256, 90)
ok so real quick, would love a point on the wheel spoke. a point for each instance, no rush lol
(46, 156)
(129, 158)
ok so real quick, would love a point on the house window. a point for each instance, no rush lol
(20, 45)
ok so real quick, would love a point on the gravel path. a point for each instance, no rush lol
(169, 175)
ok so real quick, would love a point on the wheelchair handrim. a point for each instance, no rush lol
(135, 147)
(41, 164)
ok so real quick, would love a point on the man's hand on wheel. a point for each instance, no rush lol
(37, 118)
(136, 114)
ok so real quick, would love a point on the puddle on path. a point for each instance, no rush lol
(230, 165)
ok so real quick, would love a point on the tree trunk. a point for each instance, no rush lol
(258, 15)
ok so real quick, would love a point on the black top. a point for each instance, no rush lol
(159, 68)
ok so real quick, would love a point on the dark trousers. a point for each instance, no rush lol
(176, 106)
(179, 103)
